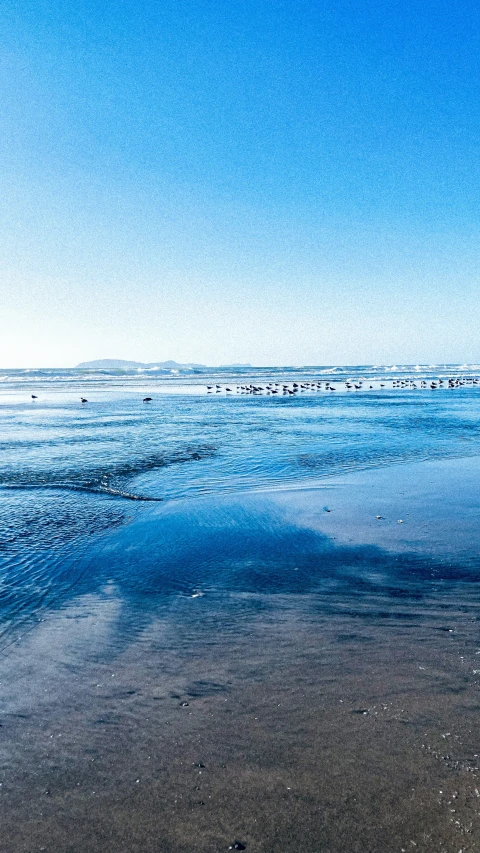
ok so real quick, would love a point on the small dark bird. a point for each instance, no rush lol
(34, 396)
(147, 399)
(83, 400)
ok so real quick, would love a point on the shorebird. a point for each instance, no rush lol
(83, 400)
(147, 399)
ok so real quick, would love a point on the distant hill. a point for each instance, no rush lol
(121, 364)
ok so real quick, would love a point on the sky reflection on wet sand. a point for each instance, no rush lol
(244, 633)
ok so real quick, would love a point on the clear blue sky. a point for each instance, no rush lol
(273, 182)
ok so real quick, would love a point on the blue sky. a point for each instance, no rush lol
(273, 182)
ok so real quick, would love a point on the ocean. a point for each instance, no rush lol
(244, 610)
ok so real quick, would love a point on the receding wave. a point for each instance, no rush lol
(76, 487)
(111, 479)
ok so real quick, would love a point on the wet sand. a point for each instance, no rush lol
(281, 669)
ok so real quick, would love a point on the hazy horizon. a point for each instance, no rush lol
(389, 365)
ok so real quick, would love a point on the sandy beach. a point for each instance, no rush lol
(279, 669)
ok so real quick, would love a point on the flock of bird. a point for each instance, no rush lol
(348, 385)
(292, 388)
